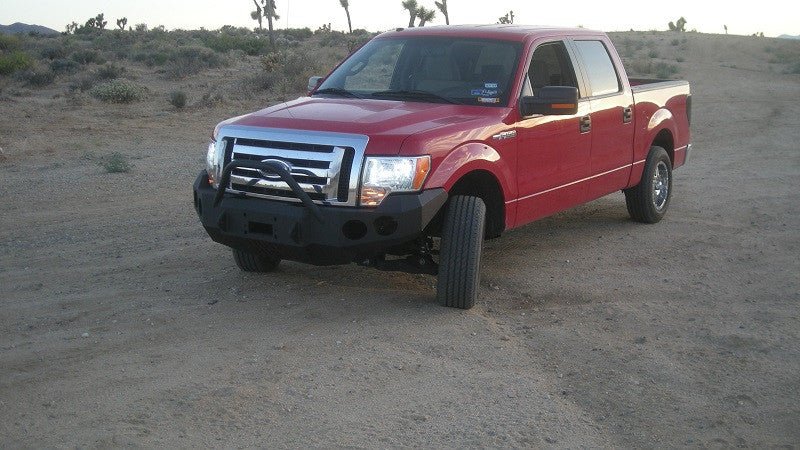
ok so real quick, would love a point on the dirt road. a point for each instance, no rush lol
(123, 324)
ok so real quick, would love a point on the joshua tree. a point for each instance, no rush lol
(442, 6)
(411, 6)
(507, 19)
(121, 23)
(266, 8)
(346, 5)
(258, 15)
(99, 21)
(726, 29)
(425, 15)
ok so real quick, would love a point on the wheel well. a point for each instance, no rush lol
(664, 140)
(483, 184)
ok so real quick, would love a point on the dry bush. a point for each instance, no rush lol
(118, 91)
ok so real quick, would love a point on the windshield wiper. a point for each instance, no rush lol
(337, 91)
(414, 95)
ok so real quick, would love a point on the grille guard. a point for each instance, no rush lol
(284, 174)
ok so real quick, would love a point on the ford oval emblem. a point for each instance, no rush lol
(271, 175)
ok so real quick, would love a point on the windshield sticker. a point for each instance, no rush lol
(488, 100)
(490, 85)
(484, 92)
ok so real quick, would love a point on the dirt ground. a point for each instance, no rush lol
(122, 323)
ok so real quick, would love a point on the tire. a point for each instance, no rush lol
(460, 253)
(648, 201)
(254, 262)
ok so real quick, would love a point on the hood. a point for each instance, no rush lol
(387, 123)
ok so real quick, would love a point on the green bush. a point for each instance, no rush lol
(252, 44)
(186, 61)
(88, 56)
(665, 70)
(151, 58)
(178, 99)
(115, 163)
(109, 72)
(8, 43)
(53, 50)
(675, 42)
(14, 61)
(652, 54)
(60, 66)
(118, 91)
(36, 78)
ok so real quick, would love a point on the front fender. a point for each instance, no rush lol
(471, 157)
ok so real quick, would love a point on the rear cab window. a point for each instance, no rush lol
(602, 75)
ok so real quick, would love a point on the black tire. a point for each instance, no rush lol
(254, 262)
(647, 203)
(460, 253)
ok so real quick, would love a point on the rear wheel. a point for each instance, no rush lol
(648, 201)
(460, 254)
(255, 262)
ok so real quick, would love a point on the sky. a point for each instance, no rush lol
(378, 15)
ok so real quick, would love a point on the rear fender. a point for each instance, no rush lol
(661, 120)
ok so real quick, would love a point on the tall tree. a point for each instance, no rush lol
(269, 12)
(442, 5)
(412, 7)
(346, 5)
(122, 22)
(100, 21)
(258, 15)
(425, 15)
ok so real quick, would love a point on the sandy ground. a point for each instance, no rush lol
(591, 330)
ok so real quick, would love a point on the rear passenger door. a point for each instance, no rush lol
(611, 117)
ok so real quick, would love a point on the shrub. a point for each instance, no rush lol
(178, 99)
(52, 51)
(794, 69)
(675, 42)
(14, 61)
(641, 66)
(8, 42)
(665, 70)
(88, 56)
(252, 45)
(37, 78)
(115, 163)
(60, 66)
(151, 58)
(185, 61)
(109, 72)
(117, 91)
(652, 54)
(680, 59)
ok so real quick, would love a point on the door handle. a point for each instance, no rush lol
(627, 115)
(586, 124)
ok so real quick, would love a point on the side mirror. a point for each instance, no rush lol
(313, 82)
(551, 101)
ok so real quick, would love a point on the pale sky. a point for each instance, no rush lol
(769, 16)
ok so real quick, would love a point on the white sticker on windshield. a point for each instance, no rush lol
(490, 85)
(488, 100)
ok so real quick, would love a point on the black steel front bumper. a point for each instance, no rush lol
(316, 234)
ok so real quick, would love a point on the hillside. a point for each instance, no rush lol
(23, 28)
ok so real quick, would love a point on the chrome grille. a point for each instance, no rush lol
(325, 165)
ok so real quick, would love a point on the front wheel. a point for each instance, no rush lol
(648, 201)
(254, 262)
(460, 254)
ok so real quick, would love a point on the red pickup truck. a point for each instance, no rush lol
(426, 141)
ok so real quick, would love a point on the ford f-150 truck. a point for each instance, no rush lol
(426, 141)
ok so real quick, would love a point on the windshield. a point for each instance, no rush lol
(428, 69)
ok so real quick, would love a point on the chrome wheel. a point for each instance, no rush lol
(660, 186)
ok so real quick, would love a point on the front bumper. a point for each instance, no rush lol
(295, 232)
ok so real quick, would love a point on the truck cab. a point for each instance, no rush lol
(424, 142)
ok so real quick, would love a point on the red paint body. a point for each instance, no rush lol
(548, 167)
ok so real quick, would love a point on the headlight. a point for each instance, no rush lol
(383, 175)
(214, 161)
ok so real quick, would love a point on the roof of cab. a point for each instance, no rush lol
(512, 32)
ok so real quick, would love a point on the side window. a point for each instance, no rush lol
(602, 75)
(550, 66)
